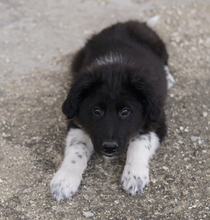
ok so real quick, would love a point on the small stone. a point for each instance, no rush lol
(87, 32)
(179, 12)
(186, 159)
(184, 193)
(54, 207)
(6, 135)
(116, 202)
(181, 128)
(165, 168)
(200, 141)
(205, 114)
(88, 214)
(195, 138)
(153, 180)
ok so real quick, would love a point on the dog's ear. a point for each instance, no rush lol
(77, 92)
(151, 108)
(70, 105)
(147, 96)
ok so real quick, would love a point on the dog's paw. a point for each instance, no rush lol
(134, 181)
(65, 184)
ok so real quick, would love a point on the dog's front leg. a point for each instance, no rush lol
(67, 179)
(135, 176)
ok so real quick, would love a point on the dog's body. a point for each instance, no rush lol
(116, 101)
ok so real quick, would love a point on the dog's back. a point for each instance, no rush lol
(131, 38)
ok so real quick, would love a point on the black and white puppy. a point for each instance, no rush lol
(116, 102)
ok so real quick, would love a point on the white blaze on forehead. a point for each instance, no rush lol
(110, 58)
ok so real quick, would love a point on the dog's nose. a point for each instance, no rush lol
(109, 147)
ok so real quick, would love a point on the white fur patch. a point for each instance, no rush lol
(169, 77)
(67, 179)
(110, 58)
(135, 176)
(151, 22)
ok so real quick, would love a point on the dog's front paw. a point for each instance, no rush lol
(65, 184)
(135, 180)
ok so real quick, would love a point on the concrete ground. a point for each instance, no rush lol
(37, 41)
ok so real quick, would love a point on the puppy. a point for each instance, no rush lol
(115, 103)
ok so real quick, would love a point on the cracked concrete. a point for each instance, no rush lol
(37, 43)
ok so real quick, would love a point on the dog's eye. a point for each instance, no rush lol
(125, 112)
(97, 111)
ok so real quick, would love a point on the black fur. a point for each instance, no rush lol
(134, 81)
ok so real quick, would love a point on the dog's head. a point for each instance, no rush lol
(111, 103)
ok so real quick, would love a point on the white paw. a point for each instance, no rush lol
(65, 184)
(135, 180)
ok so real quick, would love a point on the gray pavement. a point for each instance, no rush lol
(37, 41)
